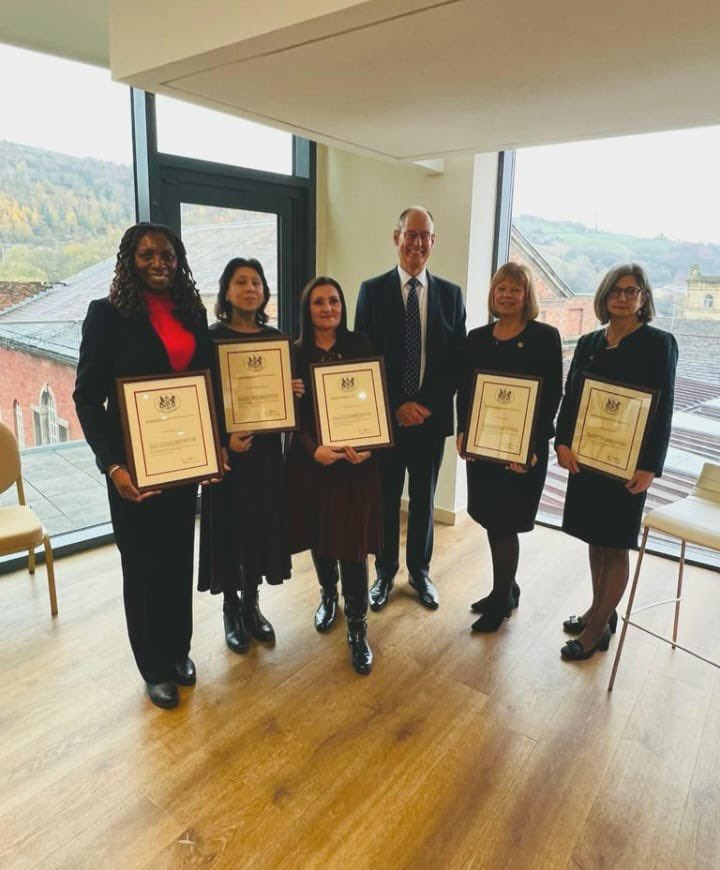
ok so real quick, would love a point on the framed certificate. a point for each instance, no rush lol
(611, 426)
(256, 384)
(351, 404)
(170, 430)
(501, 417)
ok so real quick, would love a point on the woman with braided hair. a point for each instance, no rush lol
(151, 323)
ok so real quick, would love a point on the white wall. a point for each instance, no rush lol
(359, 200)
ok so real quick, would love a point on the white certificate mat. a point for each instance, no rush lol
(170, 429)
(351, 404)
(256, 384)
(501, 417)
(610, 426)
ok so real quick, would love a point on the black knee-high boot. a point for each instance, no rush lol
(327, 573)
(236, 635)
(355, 593)
(258, 626)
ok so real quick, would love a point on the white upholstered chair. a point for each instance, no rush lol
(694, 519)
(20, 528)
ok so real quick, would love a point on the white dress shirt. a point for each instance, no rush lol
(422, 295)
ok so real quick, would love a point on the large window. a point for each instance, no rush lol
(580, 208)
(66, 195)
(81, 158)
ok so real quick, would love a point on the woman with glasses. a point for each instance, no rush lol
(603, 511)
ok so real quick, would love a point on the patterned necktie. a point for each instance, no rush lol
(411, 375)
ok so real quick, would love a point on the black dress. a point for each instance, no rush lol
(500, 500)
(335, 510)
(598, 509)
(243, 521)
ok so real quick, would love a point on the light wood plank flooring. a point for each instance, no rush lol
(458, 751)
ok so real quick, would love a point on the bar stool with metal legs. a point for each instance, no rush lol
(694, 519)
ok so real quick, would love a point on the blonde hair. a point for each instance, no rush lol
(523, 275)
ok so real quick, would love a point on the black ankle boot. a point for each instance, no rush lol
(326, 612)
(236, 636)
(258, 626)
(360, 653)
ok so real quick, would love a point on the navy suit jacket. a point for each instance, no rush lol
(380, 314)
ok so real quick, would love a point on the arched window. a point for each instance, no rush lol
(709, 301)
(19, 425)
(45, 419)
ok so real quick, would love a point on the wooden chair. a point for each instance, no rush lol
(694, 519)
(20, 528)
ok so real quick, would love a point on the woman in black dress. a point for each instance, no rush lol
(151, 323)
(335, 493)
(504, 498)
(243, 529)
(603, 511)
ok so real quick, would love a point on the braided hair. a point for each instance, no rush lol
(126, 291)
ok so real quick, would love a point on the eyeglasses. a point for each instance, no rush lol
(412, 236)
(627, 292)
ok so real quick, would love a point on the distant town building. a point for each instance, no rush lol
(702, 301)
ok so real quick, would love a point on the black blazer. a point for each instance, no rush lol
(380, 314)
(537, 350)
(115, 346)
(645, 358)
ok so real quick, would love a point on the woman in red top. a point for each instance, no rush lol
(151, 323)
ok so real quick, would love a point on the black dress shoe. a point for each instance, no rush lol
(380, 592)
(576, 624)
(482, 605)
(326, 612)
(427, 593)
(574, 651)
(185, 673)
(360, 653)
(163, 695)
(236, 636)
(258, 626)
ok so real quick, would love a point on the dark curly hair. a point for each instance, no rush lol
(307, 331)
(126, 292)
(223, 309)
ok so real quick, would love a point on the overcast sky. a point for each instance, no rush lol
(645, 185)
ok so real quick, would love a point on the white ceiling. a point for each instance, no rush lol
(424, 79)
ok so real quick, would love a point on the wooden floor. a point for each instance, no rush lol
(457, 751)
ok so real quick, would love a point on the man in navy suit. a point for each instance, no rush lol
(417, 321)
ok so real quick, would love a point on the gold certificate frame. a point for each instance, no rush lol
(170, 429)
(502, 417)
(351, 404)
(611, 426)
(256, 384)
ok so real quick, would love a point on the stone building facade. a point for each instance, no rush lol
(702, 301)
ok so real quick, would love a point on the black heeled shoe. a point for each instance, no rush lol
(236, 636)
(492, 619)
(163, 695)
(484, 603)
(576, 624)
(326, 612)
(184, 673)
(574, 651)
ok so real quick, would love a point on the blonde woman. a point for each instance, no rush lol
(504, 498)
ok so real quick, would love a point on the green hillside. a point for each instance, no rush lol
(59, 214)
(581, 255)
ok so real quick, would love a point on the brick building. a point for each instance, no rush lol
(560, 306)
